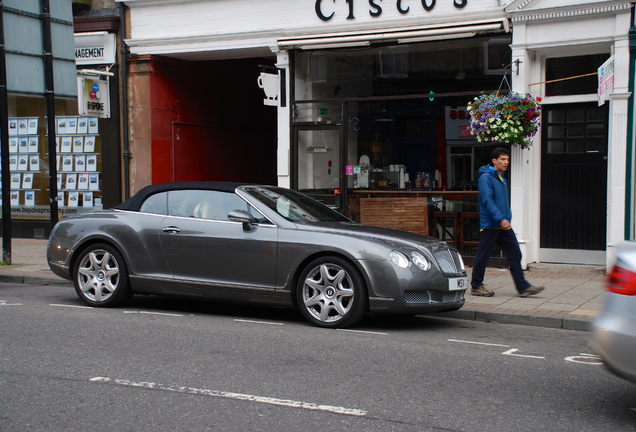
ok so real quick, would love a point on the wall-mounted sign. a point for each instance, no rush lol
(375, 9)
(93, 97)
(605, 80)
(270, 85)
(94, 48)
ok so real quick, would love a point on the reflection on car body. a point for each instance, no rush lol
(257, 244)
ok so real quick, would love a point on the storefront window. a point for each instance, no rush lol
(403, 110)
(459, 65)
(79, 164)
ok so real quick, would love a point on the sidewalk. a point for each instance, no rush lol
(573, 294)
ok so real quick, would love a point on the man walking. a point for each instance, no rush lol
(494, 225)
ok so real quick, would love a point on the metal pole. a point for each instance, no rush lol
(124, 98)
(4, 148)
(50, 107)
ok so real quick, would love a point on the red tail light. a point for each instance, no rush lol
(622, 281)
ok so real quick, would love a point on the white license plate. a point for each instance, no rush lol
(458, 284)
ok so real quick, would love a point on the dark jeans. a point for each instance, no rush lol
(507, 241)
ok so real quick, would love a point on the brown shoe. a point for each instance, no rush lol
(482, 291)
(531, 291)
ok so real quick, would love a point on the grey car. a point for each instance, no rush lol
(614, 330)
(254, 244)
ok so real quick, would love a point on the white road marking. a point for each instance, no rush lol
(153, 313)
(72, 306)
(4, 303)
(258, 322)
(591, 359)
(362, 331)
(513, 351)
(478, 343)
(235, 396)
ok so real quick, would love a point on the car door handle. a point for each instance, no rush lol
(171, 230)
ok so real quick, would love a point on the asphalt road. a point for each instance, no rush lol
(174, 365)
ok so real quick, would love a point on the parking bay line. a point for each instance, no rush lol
(479, 343)
(235, 396)
(363, 331)
(257, 322)
(4, 303)
(153, 313)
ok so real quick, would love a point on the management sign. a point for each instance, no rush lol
(94, 48)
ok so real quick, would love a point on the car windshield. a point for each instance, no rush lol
(295, 206)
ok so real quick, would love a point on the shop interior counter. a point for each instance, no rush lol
(452, 216)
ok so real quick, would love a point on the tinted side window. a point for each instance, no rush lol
(157, 204)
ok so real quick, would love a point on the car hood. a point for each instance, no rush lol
(378, 234)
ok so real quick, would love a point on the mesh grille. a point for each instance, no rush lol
(453, 297)
(417, 297)
(449, 261)
(426, 297)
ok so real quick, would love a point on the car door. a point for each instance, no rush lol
(205, 249)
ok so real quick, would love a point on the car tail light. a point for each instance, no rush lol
(622, 281)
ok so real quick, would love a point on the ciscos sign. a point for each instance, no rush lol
(375, 9)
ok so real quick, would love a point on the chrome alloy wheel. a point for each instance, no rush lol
(98, 275)
(328, 293)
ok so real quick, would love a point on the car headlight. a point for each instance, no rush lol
(399, 259)
(420, 261)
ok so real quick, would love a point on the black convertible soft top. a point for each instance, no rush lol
(134, 202)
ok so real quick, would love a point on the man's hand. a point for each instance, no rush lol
(505, 223)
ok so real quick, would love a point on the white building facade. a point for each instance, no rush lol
(370, 97)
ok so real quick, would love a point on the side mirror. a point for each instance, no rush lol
(242, 216)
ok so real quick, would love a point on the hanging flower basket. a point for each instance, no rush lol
(510, 118)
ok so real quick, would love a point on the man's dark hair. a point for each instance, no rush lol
(498, 152)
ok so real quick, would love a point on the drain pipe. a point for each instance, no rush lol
(629, 169)
(124, 98)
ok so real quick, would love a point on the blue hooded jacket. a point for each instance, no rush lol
(494, 205)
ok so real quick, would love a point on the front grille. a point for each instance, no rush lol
(449, 261)
(428, 297)
(453, 297)
(417, 297)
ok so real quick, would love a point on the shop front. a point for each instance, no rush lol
(370, 96)
(370, 101)
(63, 138)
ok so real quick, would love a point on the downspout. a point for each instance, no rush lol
(629, 168)
(49, 83)
(124, 98)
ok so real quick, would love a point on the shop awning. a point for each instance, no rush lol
(404, 35)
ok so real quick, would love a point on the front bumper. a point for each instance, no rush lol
(393, 290)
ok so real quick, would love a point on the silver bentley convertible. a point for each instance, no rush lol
(254, 244)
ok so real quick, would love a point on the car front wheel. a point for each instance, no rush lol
(101, 276)
(331, 293)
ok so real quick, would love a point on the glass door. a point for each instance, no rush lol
(317, 168)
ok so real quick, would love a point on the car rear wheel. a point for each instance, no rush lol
(101, 276)
(331, 293)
